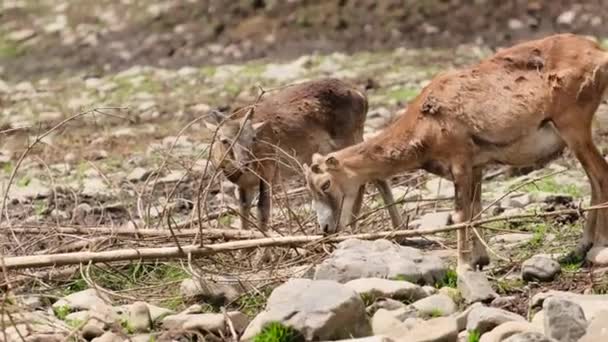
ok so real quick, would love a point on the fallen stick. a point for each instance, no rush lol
(210, 233)
(63, 259)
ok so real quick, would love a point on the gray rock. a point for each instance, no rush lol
(564, 320)
(84, 300)
(156, 312)
(218, 290)
(435, 306)
(566, 18)
(501, 302)
(440, 187)
(484, 319)
(109, 337)
(385, 303)
(435, 220)
(540, 268)
(81, 211)
(211, 322)
(33, 190)
(205, 322)
(385, 288)
(95, 188)
(377, 338)
(475, 287)
(34, 302)
(597, 331)
(591, 304)
(519, 202)
(319, 309)
(173, 176)
(529, 337)
(505, 330)
(463, 317)
(512, 239)
(138, 174)
(92, 329)
(144, 338)
(139, 317)
(354, 259)
(55, 337)
(384, 323)
(442, 329)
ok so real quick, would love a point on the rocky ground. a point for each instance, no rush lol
(117, 142)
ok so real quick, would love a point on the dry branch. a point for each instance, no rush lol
(211, 233)
(20, 262)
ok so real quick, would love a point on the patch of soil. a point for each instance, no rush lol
(218, 31)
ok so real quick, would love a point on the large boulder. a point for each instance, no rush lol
(484, 319)
(541, 268)
(475, 287)
(354, 259)
(564, 320)
(385, 288)
(320, 310)
(508, 329)
(597, 331)
(591, 304)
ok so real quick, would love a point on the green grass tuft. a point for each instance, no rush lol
(474, 336)
(403, 94)
(403, 277)
(450, 279)
(550, 185)
(572, 263)
(252, 303)
(435, 313)
(277, 332)
(62, 312)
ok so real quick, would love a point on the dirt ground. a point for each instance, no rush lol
(114, 35)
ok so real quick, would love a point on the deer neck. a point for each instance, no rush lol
(394, 150)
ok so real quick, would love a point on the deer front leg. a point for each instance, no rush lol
(479, 257)
(357, 208)
(264, 205)
(389, 202)
(245, 199)
(463, 198)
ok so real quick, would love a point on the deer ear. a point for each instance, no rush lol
(258, 126)
(332, 163)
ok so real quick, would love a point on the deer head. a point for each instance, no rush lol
(333, 192)
(235, 139)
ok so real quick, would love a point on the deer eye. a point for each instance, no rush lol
(225, 141)
(325, 186)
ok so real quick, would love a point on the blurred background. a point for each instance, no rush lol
(47, 36)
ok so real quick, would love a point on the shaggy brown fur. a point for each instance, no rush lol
(287, 127)
(520, 107)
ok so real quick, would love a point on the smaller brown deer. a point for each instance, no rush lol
(286, 128)
(520, 107)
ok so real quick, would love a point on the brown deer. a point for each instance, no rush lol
(286, 128)
(520, 107)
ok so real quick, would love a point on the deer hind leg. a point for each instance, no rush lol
(577, 135)
(246, 196)
(479, 257)
(467, 191)
(389, 201)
